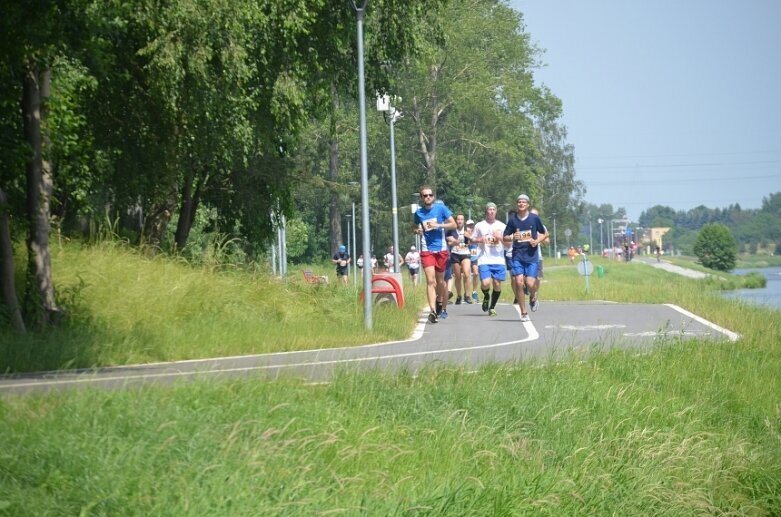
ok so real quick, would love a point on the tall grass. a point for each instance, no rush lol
(127, 308)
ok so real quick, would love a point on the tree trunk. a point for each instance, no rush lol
(191, 198)
(40, 305)
(7, 268)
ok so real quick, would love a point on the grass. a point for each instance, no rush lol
(690, 428)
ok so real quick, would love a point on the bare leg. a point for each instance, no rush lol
(431, 287)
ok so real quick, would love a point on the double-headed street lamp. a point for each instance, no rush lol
(385, 104)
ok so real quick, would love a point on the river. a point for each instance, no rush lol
(770, 295)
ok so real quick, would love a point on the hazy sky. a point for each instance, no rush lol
(670, 102)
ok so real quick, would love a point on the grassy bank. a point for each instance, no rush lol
(690, 428)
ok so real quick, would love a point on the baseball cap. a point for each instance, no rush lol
(412, 248)
(523, 197)
(490, 205)
(470, 222)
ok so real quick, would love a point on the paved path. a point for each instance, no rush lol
(467, 338)
(672, 268)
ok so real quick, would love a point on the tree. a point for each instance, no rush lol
(716, 248)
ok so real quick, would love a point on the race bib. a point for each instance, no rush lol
(525, 236)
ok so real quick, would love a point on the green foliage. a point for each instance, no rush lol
(297, 237)
(715, 247)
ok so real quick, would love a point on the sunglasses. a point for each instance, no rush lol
(427, 195)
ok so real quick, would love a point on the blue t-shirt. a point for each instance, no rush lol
(530, 228)
(433, 240)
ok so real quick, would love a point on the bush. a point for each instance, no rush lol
(715, 247)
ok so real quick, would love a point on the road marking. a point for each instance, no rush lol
(731, 335)
(533, 335)
(585, 327)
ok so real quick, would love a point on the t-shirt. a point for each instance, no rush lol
(341, 257)
(491, 252)
(530, 228)
(412, 259)
(434, 239)
(462, 248)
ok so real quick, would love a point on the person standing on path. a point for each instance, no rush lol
(461, 262)
(342, 260)
(491, 264)
(525, 231)
(431, 221)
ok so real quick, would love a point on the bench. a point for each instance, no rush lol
(313, 279)
(387, 285)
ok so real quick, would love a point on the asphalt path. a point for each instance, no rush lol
(468, 338)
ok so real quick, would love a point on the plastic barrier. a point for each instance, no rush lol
(387, 284)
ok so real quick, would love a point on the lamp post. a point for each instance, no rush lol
(351, 265)
(601, 240)
(367, 279)
(414, 208)
(590, 236)
(386, 104)
(555, 246)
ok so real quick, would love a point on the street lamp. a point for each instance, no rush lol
(555, 246)
(384, 104)
(351, 265)
(601, 240)
(367, 279)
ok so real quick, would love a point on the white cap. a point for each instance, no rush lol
(470, 222)
(412, 248)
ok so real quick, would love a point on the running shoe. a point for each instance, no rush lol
(525, 317)
(474, 296)
(534, 304)
(492, 312)
(485, 304)
(458, 300)
(438, 307)
(515, 301)
(467, 300)
(443, 316)
(433, 318)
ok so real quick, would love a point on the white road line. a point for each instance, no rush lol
(533, 335)
(731, 335)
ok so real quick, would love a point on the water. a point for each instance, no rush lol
(770, 295)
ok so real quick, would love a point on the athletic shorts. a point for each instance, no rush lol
(413, 271)
(495, 271)
(458, 259)
(437, 259)
(527, 269)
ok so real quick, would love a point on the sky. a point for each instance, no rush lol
(666, 102)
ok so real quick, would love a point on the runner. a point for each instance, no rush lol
(525, 231)
(431, 221)
(474, 253)
(488, 234)
(412, 259)
(460, 261)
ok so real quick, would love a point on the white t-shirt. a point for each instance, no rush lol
(492, 253)
(413, 260)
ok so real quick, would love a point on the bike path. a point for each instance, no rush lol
(468, 338)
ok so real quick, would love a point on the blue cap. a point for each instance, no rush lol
(342, 248)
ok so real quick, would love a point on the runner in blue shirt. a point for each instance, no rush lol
(432, 219)
(526, 231)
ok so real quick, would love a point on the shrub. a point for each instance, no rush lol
(715, 247)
